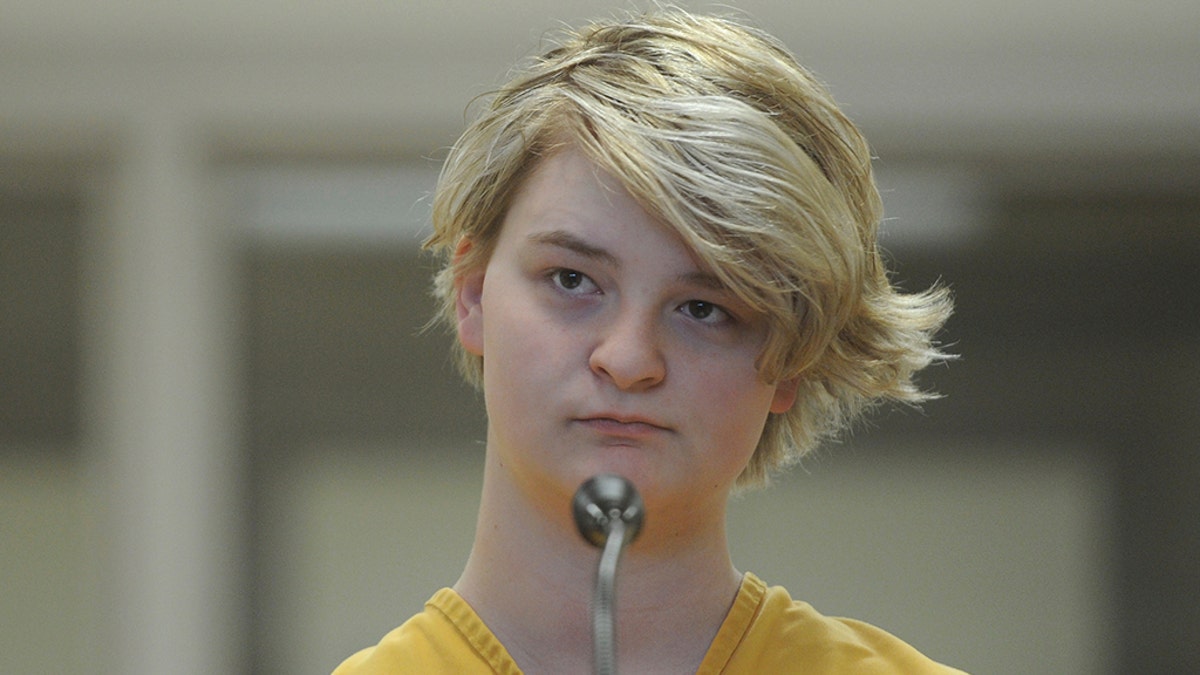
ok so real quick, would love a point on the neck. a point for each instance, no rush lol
(530, 576)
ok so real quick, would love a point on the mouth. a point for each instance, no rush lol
(625, 426)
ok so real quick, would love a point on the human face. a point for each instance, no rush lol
(608, 348)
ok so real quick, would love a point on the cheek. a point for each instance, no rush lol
(509, 329)
(732, 402)
(520, 349)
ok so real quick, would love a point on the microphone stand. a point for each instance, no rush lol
(608, 512)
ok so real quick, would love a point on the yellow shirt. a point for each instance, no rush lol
(765, 632)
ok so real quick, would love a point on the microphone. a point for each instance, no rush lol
(609, 513)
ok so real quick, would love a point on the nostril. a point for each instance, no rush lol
(630, 360)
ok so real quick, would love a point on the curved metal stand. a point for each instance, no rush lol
(608, 512)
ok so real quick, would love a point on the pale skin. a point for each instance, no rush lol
(607, 348)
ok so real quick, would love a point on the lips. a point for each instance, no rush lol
(625, 426)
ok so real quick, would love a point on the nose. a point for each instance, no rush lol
(628, 353)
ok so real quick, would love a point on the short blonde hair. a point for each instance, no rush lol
(715, 129)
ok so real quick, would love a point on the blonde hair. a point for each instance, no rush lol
(718, 132)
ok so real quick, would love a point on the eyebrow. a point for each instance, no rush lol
(571, 242)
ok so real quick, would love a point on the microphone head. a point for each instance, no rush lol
(601, 500)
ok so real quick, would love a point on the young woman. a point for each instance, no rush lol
(661, 263)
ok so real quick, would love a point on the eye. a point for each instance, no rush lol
(569, 279)
(704, 311)
(572, 280)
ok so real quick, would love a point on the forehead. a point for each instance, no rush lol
(570, 202)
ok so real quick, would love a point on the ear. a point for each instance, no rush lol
(468, 303)
(785, 395)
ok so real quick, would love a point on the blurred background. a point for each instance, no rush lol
(226, 444)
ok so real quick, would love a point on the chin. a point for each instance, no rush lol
(633, 463)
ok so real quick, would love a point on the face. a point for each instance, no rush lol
(608, 348)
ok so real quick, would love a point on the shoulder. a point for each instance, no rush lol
(447, 637)
(771, 632)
